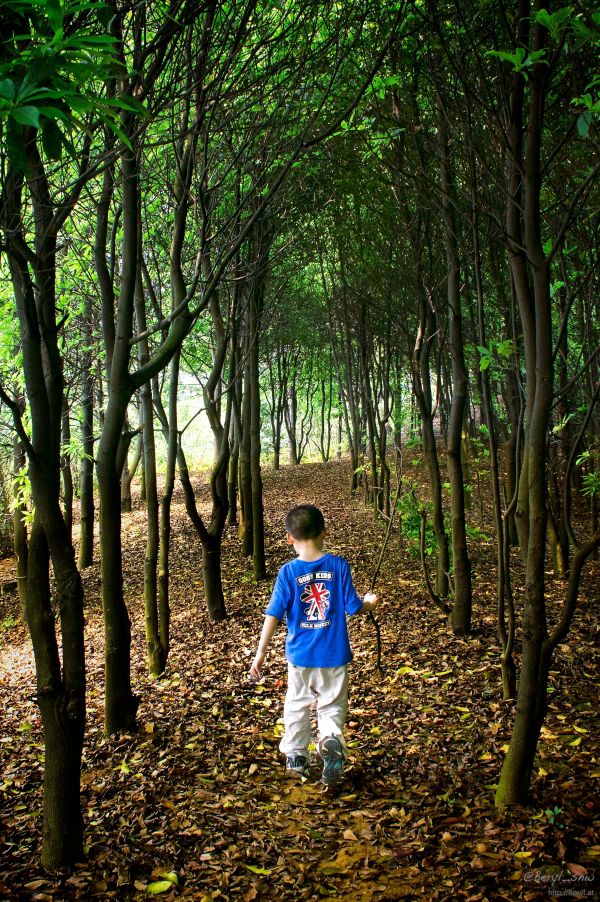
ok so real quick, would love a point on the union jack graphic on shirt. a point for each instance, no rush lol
(317, 598)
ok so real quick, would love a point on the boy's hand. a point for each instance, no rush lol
(370, 601)
(257, 665)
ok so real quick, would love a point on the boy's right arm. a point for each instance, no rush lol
(369, 603)
(270, 625)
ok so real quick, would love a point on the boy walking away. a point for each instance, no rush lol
(314, 593)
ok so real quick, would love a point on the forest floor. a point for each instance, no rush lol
(199, 793)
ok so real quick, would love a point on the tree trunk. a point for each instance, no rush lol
(245, 473)
(120, 704)
(460, 617)
(156, 654)
(86, 492)
(67, 475)
(129, 471)
(164, 565)
(211, 572)
(62, 709)
(422, 395)
(232, 479)
(255, 309)
(19, 527)
(60, 685)
(536, 319)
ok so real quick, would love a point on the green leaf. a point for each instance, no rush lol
(583, 123)
(516, 59)
(544, 18)
(27, 115)
(505, 348)
(7, 89)
(172, 876)
(54, 13)
(159, 886)
(52, 139)
(263, 871)
(125, 102)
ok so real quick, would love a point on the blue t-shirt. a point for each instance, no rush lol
(315, 597)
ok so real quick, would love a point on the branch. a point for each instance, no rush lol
(562, 627)
(565, 223)
(567, 476)
(437, 600)
(15, 409)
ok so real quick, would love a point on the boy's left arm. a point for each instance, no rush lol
(270, 625)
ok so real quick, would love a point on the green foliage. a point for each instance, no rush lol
(474, 532)
(502, 349)
(414, 440)
(520, 60)
(552, 815)
(22, 496)
(54, 79)
(591, 107)
(409, 510)
(9, 622)
(590, 484)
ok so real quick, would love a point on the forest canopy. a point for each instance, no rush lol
(292, 232)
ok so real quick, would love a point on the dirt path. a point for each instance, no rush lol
(199, 792)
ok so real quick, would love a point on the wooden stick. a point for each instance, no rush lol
(388, 531)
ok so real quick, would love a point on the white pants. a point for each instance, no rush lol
(328, 687)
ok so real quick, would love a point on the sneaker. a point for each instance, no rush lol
(297, 764)
(332, 753)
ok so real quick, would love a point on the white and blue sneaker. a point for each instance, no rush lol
(332, 753)
(297, 765)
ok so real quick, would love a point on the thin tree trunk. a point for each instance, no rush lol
(156, 654)
(66, 473)
(129, 471)
(517, 768)
(422, 395)
(19, 527)
(245, 472)
(460, 617)
(86, 492)
(254, 320)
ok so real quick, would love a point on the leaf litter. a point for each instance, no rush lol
(196, 803)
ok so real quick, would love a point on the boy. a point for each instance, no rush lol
(314, 593)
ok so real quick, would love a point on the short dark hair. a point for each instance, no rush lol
(305, 522)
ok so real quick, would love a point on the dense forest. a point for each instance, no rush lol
(257, 252)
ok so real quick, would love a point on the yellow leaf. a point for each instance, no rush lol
(504, 748)
(542, 772)
(576, 742)
(523, 854)
(580, 730)
(252, 769)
